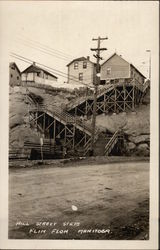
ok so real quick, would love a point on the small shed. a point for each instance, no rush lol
(36, 74)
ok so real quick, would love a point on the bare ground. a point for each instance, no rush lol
(112, 201)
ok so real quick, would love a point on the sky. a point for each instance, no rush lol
(67, 27)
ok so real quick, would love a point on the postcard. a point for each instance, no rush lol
(79, 124)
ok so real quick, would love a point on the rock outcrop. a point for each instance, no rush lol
(135, 125)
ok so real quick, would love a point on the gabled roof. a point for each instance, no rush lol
(125, 61)
(137, 70)
(34, 68)
(80, 59)
(114, 54)
(15, 65)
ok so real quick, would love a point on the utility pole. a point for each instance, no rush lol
(148, 50)
(96, 84)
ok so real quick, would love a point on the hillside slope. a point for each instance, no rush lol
(21, 99)
(135, 125)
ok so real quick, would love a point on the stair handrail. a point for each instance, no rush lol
(100, 91)
(111, 141)
(66, 116)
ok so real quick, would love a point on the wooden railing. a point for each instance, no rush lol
(111, 143)
(47, 147)
(66, 117)
(87, 147)
(79, 101)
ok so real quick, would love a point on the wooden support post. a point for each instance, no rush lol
(86, 108)
(136, 92)
(135, 95)
(133, 99)
(36, 119)
(76, 111)
(65, 134)
(85, 139)
(105, 103)
(115, 98)
(74, 133)
(124, 89)
(54, 130)
(139, 96)
(44, 117)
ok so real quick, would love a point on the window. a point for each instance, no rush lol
(17, 77)
(76, 65)
(11, 75)
(84, 65)
(12, 67)
(38, 73)
(80, 76)
(108, 71)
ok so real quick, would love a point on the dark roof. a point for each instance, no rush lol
(15, 65)
(79, 59)
(125, 61)
(35, 68)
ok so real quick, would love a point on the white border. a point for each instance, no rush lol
(152, 243)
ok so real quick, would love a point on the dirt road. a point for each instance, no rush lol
(107, 201)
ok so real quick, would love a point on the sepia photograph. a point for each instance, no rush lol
(82, 129)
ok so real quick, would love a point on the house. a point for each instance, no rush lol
(37, 75)
(115, 67)
(81, 70)
(14, 75)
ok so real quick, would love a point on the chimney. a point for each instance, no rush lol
(34, 64)
(88, 58)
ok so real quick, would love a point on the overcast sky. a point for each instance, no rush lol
(68, 27)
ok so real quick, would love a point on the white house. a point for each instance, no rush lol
(36, 74)
(81, 70)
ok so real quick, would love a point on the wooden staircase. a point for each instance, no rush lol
(70, 123)
(111, 143)
(64, 117)
(81, 100)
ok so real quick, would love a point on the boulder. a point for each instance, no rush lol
(142, 146)
(139, 138)
(131, 145)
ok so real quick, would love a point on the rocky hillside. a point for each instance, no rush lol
(21, 99)
(135, 125)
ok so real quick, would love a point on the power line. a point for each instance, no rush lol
(49, 51)
(46, 46)
(45, 52)
(51, 54)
